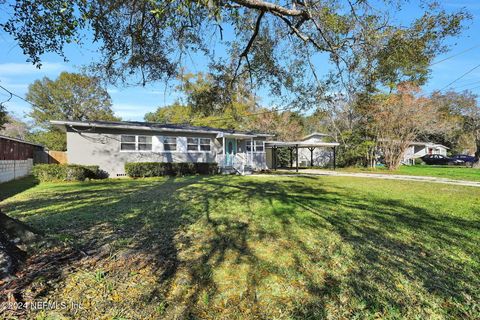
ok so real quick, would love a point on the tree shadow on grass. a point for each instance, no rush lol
(90, 219)
(392, 242)
(397, 255)
(11, 188)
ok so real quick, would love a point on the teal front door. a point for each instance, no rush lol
(230, 151)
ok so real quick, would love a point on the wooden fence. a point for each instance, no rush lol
(57, 157)
(14, 149)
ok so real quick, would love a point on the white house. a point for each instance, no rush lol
(112, 144)
(419, 149)
(320, 156)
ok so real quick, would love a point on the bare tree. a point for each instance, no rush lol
(15, 128)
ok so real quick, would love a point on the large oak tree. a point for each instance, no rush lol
(462, 112)
(275, 42)
(71, 96)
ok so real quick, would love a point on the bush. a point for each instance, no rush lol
(66, 172)
(157, 169)
(418, 161)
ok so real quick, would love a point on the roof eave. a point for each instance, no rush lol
(20, 140)
(128, 127)
(300, 144)
(63, 124)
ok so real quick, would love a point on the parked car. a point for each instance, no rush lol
(463, 158)
(435, 159)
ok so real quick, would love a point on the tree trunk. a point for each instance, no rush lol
(15, 238)
(476, 164)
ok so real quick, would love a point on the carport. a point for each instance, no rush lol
(295, 145)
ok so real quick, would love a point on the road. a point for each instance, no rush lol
(318, 172)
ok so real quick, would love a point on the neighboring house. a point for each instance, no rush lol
(419, 149)
(17, 157)
(112, 144)
(321, 156)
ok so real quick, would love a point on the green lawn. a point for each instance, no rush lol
(450, 172)
(230, 247)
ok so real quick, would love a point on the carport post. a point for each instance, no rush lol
(296, 155)
(274, 158)
(291, 156)
(334, 158)
(311, 155)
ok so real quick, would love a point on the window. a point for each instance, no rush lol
(198, 144)
(136, 143)
(205, 144)
(128, 143)
(144, 143)
(257, 146)
(170, 144)
(192, 144)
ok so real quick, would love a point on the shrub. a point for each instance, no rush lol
(418, 161)
(157, 169)
(66, 172)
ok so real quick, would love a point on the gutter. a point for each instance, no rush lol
(147, 128)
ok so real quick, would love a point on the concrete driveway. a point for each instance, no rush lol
(319, 172)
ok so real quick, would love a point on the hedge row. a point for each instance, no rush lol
(67, 172)
(157, 169)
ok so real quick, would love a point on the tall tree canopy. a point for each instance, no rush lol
(71, 96)
(15, 128)
(205, 102)
(275, 42)
(462, 112)
(3, 116)
(399, 119)
(209, 100)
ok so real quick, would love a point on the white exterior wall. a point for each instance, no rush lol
(442, 151)
(414, 152)
(102, 148)
(14, 169)
(321, 155)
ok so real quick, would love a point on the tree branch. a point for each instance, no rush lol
(254, 35)
(245, 52)
(271, 7)
(298, 33)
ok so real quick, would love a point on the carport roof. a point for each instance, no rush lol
(299, 144)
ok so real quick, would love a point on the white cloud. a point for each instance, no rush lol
(27, 68)
(156, 92)
(131, 111)
(112, 90)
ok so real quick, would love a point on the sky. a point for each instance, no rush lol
(131, 103)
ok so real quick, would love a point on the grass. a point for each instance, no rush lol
(263, 247)
(11, 188)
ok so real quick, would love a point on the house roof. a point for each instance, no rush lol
(157, 127)
(423, 144)
(428, 144)
(315, 134)
(19, 140)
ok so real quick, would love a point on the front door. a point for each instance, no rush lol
(230, 151)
